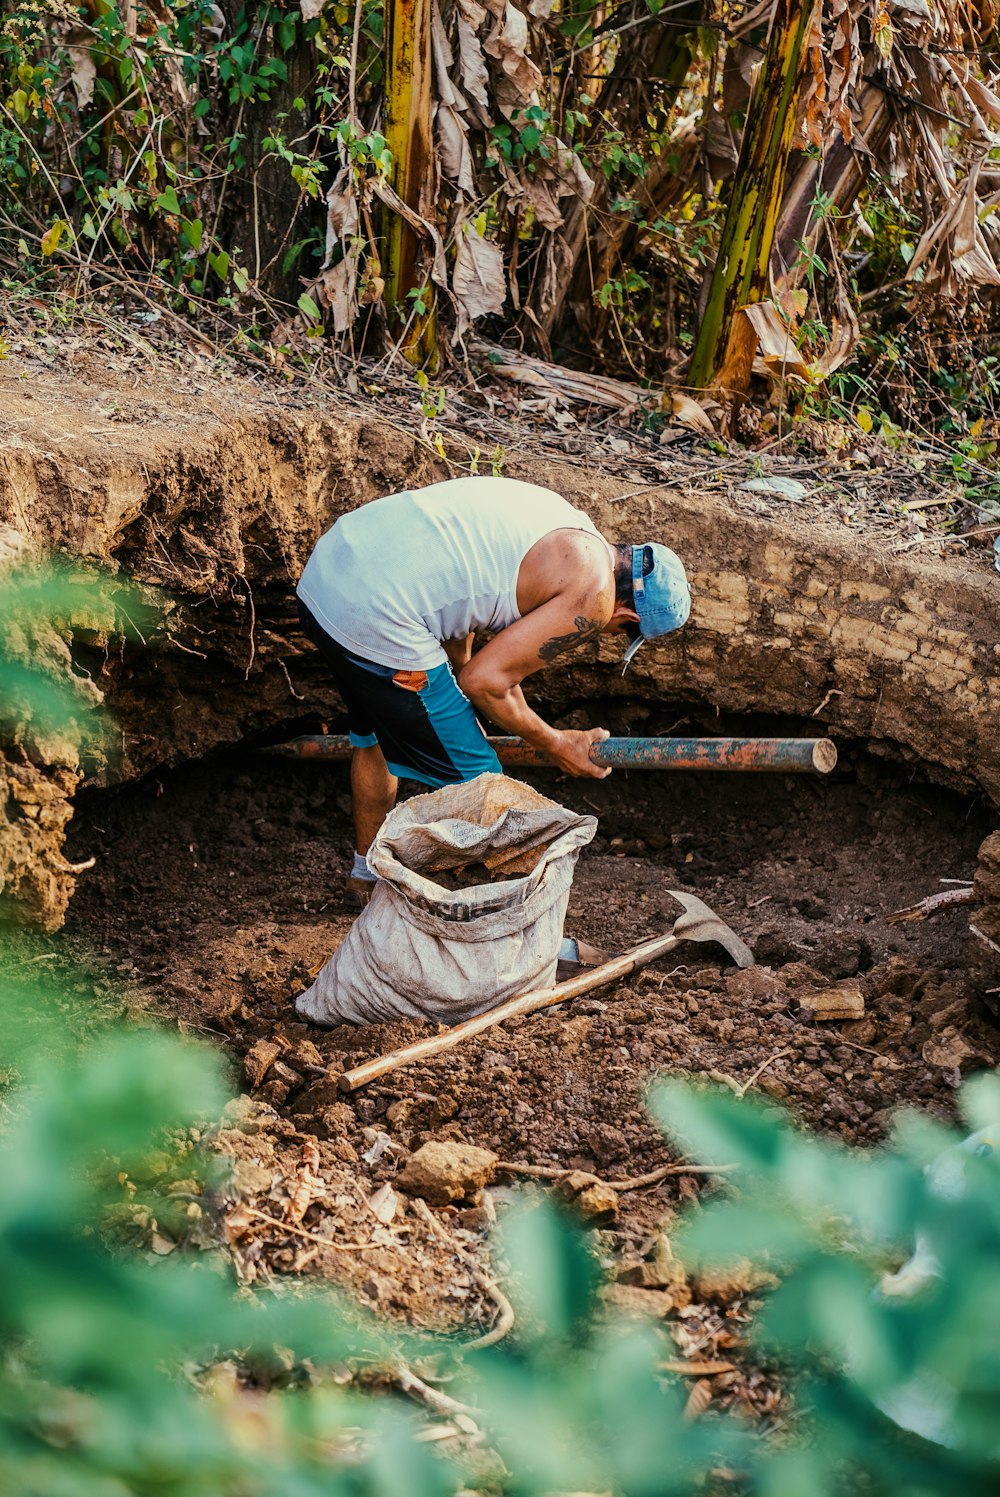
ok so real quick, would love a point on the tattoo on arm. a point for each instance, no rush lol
(585, 630)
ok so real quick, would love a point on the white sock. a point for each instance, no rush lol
(361, 869)
(568, 949)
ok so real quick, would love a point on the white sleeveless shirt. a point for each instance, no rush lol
(392, 579)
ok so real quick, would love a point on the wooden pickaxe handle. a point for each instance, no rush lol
(524, 1003)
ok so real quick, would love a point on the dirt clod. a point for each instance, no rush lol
(443, 1172)
(646, 1304)
(949, 1049)
(258, 1061)
(731, 1282)
(321, 1094)
(303, 1056)
(842, 1000)
(590, 1198)
(249, 1115)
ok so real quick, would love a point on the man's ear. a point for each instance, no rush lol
(623, 614)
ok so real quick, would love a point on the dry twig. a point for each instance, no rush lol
(352, 1247)
(636, 1182)
(505, 1321)
(740, 1088)
(407, 1381)
(930, 905)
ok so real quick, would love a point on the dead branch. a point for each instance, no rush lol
(636, 1182)
(505, 1320)
(930, 906)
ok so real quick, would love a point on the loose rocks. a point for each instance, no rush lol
(443, 1171)
(259, 1059)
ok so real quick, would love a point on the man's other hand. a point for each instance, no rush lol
(572, 753)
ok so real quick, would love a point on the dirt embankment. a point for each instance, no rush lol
(212, 497)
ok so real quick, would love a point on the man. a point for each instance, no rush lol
(393, 595)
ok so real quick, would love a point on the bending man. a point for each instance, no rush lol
(393, 595)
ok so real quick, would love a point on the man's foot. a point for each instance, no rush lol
(357, 892)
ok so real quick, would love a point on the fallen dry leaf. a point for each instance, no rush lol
(384, 1203)
(699, 1399)
(302, 1193)
(238, 1222)
(688, 412)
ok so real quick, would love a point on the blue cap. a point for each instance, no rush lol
(660, 593)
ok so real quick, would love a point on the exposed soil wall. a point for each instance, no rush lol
(214, 496)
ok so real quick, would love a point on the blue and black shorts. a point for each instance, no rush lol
(423, 722)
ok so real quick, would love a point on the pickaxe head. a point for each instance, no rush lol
(699, 923)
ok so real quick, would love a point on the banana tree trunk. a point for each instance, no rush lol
(408, 93)
(724, 349)
(840, 176)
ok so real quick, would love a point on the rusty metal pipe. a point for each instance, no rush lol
(785, 755)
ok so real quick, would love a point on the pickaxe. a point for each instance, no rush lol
(697, 923)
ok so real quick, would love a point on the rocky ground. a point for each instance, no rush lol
(217, 888)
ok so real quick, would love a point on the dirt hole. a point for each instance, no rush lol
(218, 886)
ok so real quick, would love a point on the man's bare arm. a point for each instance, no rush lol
(583, 630)
(492, 679)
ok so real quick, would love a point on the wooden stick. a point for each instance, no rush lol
(941, 901)
(524, 1003)
(505, 1319)
(635, 1182)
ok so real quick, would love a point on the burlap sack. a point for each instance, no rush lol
(420, 950)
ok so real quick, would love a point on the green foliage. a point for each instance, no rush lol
(902, 1386)
(125, 149)
(103, 1352)
(365, 149)
(526, 136)
(894, 231)
(973, 463)
(617, 156)
(44, 611)
(617, 292)
(432, 397)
